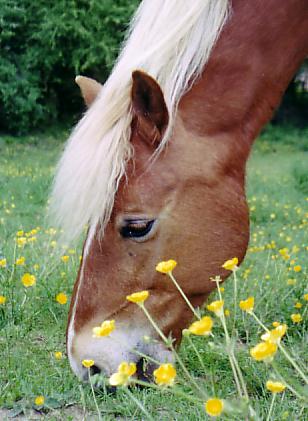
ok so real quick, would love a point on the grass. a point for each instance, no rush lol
(32, 322)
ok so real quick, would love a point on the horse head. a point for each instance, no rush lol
(182, 204)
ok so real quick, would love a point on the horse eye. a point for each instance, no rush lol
(136, 228)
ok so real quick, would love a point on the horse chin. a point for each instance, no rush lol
(100, 383)
(144, 374)
(109, 352)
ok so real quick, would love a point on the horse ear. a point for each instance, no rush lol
(149, 107)
(89, 89)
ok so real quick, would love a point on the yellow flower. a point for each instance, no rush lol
(227, 312)
(275, 387)
(231, 264)
(166, 267)
(296, 318)
(291, 282)
(298, 305)
(87, 363)
(275, 335)
(61, 298)
(295, 249)
(306, 297)
(221, 289)
(118, 379)
(58, 355)
(21, 241)
(28, 280)
(104, 329)
(247, 305)
(2, 299)
(284, 252)
(165, 374)
(20, 261)
(2, 263)
(39, 400)
(65, 259)
(202, 327)
(263, 351)
(214, 407)
(275, 324)
(216, 307)
(122, 376)
(138, 297)
(297, 268)
(19, 233)
(51, 231)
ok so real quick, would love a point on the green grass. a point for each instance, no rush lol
(32, 323)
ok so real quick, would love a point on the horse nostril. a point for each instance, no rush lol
(145, 370)
(94, 370)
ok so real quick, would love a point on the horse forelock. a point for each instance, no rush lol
(171, 41)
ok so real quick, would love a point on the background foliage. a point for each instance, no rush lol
(45, 44)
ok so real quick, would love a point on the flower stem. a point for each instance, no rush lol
(24, 299)
(259, 321)
(138, 403)
(154, 324)
(141, 354)
(235, 297)
(233, 361)
(281, 378)
(169, 345)
(93, 394)
(291, 360)
(197, 353)
(239, 372)
(145, 356)
(271, 408)
(190, 378)
(82, 401)
(183, 295)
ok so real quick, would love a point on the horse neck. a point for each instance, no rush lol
(258, 53)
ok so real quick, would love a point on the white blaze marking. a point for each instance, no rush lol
(76, 367)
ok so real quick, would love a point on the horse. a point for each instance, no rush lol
(156, 166)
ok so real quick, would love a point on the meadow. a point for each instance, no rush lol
(33, 315)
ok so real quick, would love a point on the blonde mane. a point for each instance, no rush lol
(170, 40)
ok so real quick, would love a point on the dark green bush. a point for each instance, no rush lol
(43, 45)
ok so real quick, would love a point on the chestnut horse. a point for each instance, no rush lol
(156, 167)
